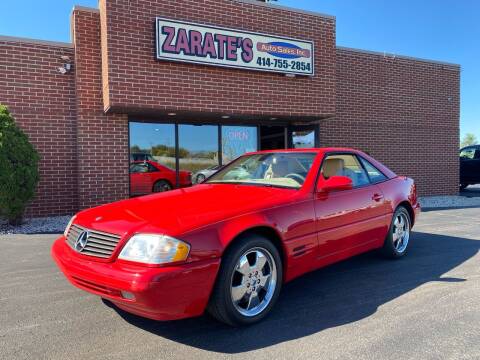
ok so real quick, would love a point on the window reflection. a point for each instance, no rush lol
(237, 140)
(198, 150)
(152, 158)
(154, 153)
(303, 139)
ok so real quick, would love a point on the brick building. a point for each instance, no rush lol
(126, 85)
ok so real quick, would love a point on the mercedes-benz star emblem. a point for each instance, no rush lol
(81, 241)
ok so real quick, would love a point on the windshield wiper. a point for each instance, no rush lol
(252, 184)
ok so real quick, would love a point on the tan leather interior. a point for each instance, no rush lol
(332, 167)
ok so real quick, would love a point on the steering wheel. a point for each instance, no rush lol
(296, 177)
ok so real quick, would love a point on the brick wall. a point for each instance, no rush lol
(405, 112)
(102, 140)
(137, 82)
(43, 103)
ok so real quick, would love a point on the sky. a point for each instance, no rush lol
(445, 30)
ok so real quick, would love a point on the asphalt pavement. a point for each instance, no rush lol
(424, 306)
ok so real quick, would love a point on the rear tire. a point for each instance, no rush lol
(161, 186)
(463, 186)
(397, 240)
(248, 283)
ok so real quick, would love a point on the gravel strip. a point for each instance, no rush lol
(435, 202)
(45, 225)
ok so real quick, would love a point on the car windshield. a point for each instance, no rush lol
(281, 169)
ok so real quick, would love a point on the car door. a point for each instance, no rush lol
(348, 221)
(476, 166)
(139, 179)
(467, 165)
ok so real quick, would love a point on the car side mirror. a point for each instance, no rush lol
(335, 183)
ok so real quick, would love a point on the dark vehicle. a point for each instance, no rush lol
(469, 166)
(141, 157)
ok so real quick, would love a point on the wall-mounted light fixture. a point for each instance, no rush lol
(66, 66)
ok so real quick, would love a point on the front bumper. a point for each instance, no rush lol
(161, 293)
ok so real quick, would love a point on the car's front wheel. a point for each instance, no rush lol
(248, 283)
(398, 237)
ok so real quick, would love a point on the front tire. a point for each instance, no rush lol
(248, 283)
(397, 240)
(463, 186)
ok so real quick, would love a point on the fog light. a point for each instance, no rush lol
(127, 295)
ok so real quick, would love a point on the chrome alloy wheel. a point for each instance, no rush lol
(253, 282)
(401, 232)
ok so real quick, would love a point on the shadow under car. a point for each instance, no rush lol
(336, 295)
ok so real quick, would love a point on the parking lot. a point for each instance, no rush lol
(425, 306)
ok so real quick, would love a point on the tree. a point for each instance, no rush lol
(468, 139)
(18, 169)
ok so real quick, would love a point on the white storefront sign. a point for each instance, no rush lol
(201, 44)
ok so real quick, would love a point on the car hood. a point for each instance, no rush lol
(179, 211)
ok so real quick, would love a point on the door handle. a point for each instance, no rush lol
(377, 197)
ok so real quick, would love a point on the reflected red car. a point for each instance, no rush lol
(148, 177)
(229, 244)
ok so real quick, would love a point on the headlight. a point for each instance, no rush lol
(154, 249)
(65, 233)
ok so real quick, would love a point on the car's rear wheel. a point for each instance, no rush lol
(161, 186)
(463, 186)
(248, 283)
(200, 178)
(397, 240)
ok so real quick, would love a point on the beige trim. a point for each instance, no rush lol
(378, 53)
(35, 41)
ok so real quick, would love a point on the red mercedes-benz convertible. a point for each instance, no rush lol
(227, 245)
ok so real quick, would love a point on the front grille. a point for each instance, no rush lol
(96, 243)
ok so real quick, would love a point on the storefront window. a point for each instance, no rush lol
(198, 150)
(154, 153)
(152, 158)
(237, 140)
(303, 139)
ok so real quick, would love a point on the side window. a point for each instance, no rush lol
(345, 165)
(152, 168)
(133, 168)
(138, 168)
(477, 154)
(468, 153)
(374, 174)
